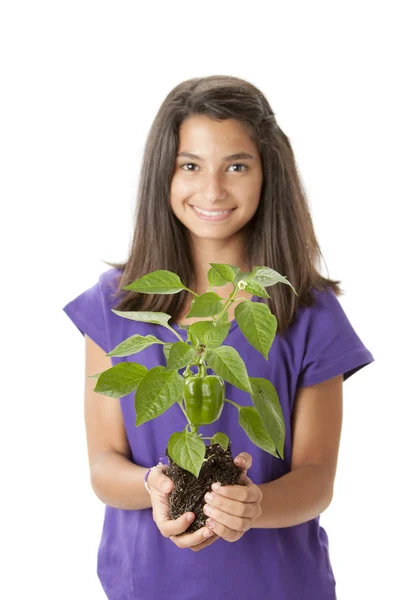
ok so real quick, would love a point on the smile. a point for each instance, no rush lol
(212, 215)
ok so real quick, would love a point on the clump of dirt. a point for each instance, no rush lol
(188, 493)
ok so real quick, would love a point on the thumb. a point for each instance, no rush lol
(243, 460)
(158, 481)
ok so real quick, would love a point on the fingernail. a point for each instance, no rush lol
(210, 523)
(240, 462)
(208, 497)
(189, 517)
(215, 486)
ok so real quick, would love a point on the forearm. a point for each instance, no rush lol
(118, 482)
(294, 498)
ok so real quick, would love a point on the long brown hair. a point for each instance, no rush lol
(282, 234)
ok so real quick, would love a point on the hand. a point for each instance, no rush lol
(233, 509)
(161, 486)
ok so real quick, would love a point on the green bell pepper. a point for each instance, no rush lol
(204, 398)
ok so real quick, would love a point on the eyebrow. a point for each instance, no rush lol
(237, 156)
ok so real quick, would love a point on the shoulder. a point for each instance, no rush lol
(108, 284)
(325, 311)
(327, 341)
(90, 309)
(110, 277)
(321, 301)
(325, 320)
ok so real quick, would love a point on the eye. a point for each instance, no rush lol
(243, 167)
(188, 164)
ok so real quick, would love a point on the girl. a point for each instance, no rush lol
(219, 184)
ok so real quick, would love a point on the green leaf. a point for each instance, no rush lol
(197, 332)
(120, 380)
(266, 402)
(157, 282)
(158, 391)
(134, 344)
(215, 279)
(250, 421)
(159, 318)
(220, 274)
(188, 450)
(241, 275)
(216, 335)
(205, 305)
(256, 289)
(180, 355)
(221, 439)
(224, 320)
(167, 348)
(257, 324)
(95, 376)
(228, 364)
(267, 277)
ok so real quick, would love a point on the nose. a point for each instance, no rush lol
(214, 188)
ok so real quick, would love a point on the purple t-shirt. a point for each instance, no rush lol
(135, 562)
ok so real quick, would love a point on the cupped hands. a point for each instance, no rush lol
(232, 509)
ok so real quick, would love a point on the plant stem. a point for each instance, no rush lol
(230, 300)
(193, 428)
(191, 291)
(183, 410)
(238, 406)
(208, 458)
(174, 332)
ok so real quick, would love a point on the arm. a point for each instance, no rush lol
(303, 493)
(307, 490)
(118, 482)
(115, 479)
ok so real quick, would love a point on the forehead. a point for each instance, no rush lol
(202, 134)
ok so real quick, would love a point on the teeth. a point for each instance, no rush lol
(212, 213)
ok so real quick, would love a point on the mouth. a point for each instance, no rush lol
(212, 215)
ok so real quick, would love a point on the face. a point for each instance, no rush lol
(213, 193)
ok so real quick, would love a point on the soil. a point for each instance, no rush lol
(188, 493)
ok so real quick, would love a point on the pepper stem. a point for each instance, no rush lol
(202, 370)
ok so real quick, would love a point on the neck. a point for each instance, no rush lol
(206, 251)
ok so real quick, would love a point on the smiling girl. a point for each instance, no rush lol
(219, 184)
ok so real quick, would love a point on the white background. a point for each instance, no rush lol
(81, 84)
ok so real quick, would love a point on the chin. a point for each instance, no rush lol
(209, 233)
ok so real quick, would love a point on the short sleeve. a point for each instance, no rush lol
(87, 312)
(331, 345)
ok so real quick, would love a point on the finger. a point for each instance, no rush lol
(192, 539)
(170, 527)
(224, 532)
(231, 506)
(237, 523)
(208, 542)
(244, 460)
(160, 482)
(242, 493)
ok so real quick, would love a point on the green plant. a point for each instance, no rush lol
(202, 396)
